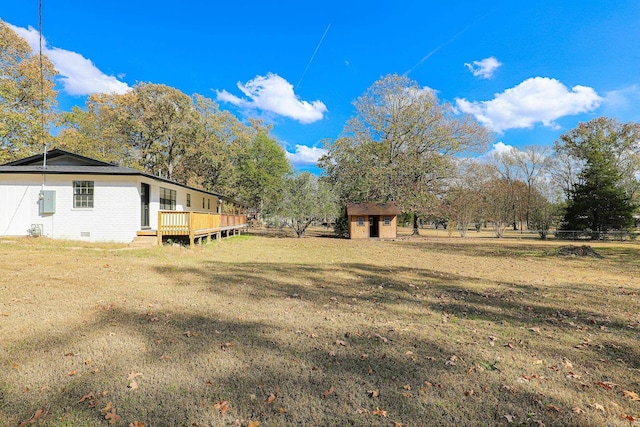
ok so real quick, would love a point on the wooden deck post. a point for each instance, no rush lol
(159, 233)
(191, 230)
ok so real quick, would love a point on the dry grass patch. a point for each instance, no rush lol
(319, 331)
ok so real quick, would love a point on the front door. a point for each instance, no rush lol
(144, 204)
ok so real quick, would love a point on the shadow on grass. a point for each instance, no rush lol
(414, 335)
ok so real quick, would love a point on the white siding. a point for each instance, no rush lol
(17, 195)
(114, 217)
(116, 212)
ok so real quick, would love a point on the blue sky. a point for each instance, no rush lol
(529, 71)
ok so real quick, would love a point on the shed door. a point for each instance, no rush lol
(374, 226)
(144, 205)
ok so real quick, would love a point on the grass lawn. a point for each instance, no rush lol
(269, 331)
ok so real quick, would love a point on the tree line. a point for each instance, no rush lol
(403, 145)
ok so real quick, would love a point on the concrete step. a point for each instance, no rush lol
(144, 242)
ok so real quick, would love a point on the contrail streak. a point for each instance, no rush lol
(451, 40)
(313, 56)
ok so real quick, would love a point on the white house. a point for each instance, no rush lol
(68, 196)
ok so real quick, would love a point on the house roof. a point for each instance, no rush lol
(373, 208)
(61, 162)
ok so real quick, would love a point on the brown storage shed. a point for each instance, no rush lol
(373, 220)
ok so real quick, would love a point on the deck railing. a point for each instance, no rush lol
(197, 224)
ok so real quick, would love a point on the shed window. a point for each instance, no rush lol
(209, 204)
(167, 199)
(360, 220)
(188, 200)
(203, 203)
(82, 194)
(387, 220)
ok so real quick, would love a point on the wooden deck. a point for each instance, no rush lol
(197, 225)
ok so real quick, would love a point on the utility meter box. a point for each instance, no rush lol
(47, 202)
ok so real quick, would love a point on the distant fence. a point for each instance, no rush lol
(596, 235)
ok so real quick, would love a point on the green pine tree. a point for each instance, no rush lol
(598, 202)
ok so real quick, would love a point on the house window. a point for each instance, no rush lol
(361, 221)
(167, 199)
(82, 194)
(188, 200)
(209, 204)
(203, 203)
(387, 220)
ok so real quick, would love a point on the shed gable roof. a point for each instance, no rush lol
(373, 208)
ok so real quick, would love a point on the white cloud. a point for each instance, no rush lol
(622, 99)
(274, 94)
(535, 100)
(484, 68)
(500, 148)
(306, 155)
(79, 76)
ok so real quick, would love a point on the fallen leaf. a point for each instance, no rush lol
(112, 416)
(407, 394)
(134, 375)
(553, 408)
(329, 392)
(379, 412)
(597, 406)
(605, 384)
(221, 407)
(253, 424)
(271, 398)
(88, 361)
(136, 424)
(106, 408)
(406, 387)
(33, 419)
(451, 361)
(630, 418)
(384, 340)
(373, 393)
(630, 394)
(536, 330)
(15, 366)
(509, 418)
(342, 343)
(133, 385)
(577, 410)
(72, 373)
(468, 393)
(364, 356)
(362, 411)
(89, 396)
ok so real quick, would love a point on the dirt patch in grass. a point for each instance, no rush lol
(318, 331)
(578, 251)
